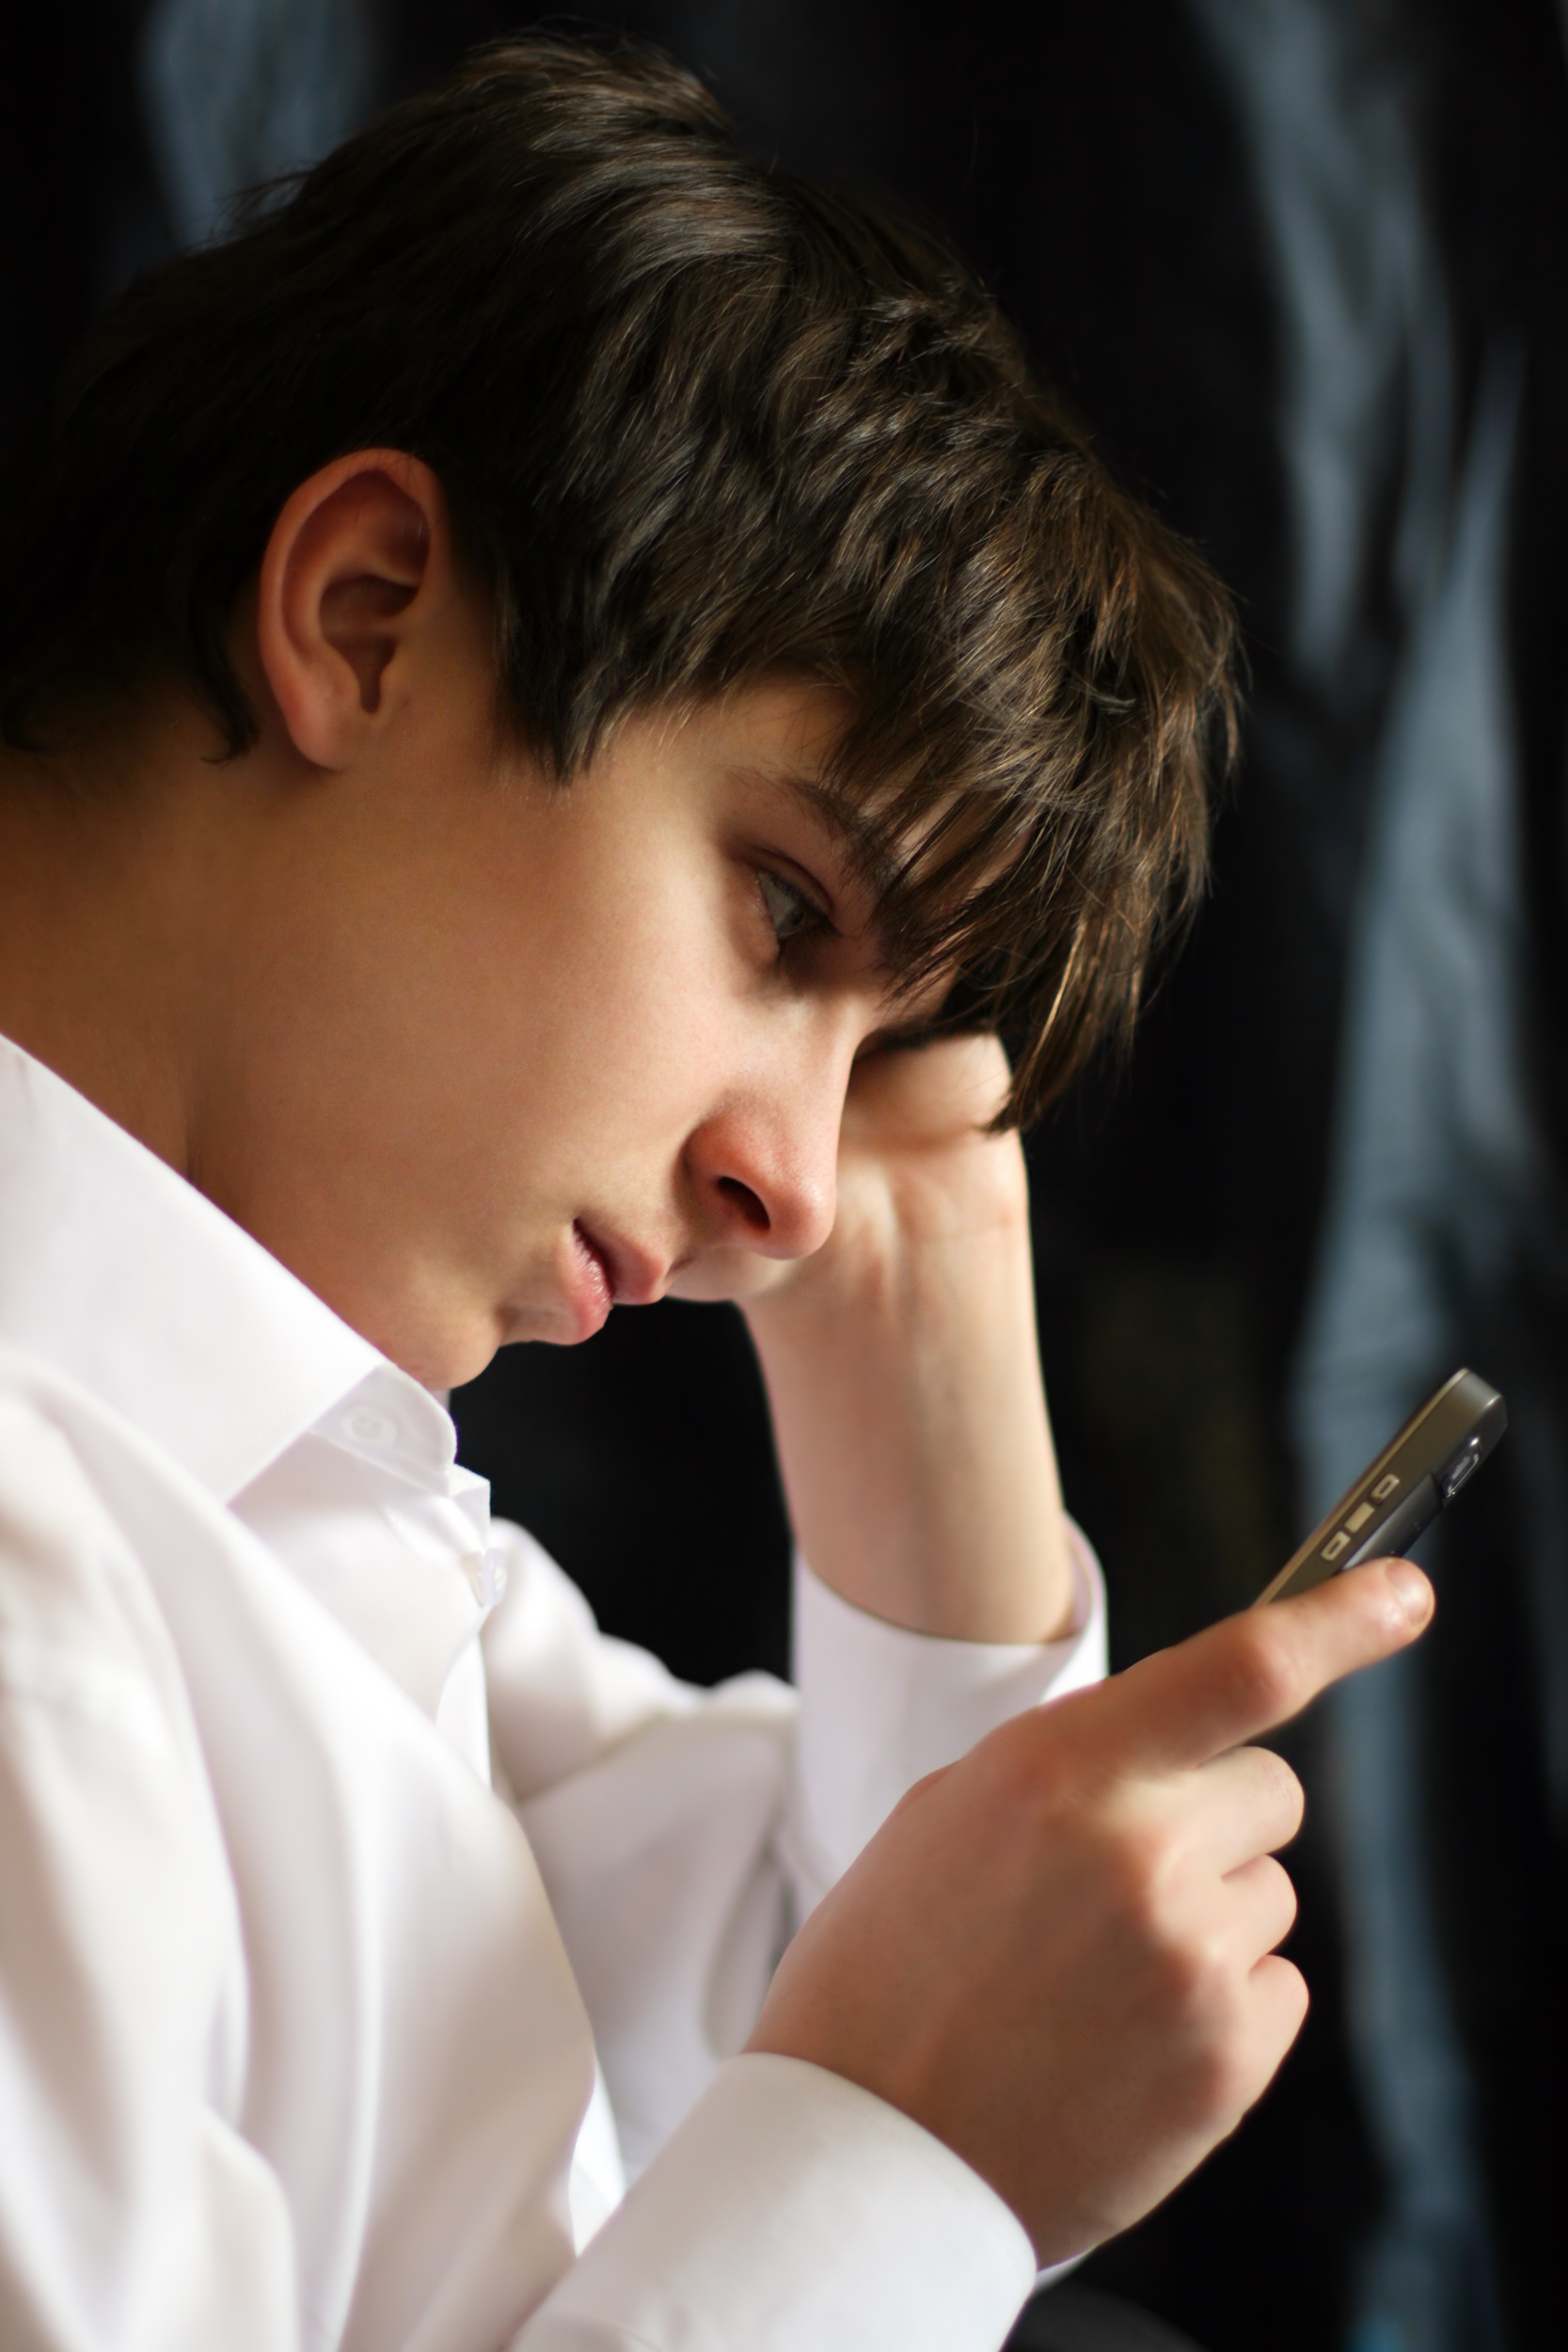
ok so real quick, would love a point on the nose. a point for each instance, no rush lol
(766, 1171)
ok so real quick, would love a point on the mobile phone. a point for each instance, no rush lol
(1398, 1495)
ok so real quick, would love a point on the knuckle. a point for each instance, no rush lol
(1225, 2068)
(1235, 2047)
(1035, 1768)
(1281, 1885)
(1020, 1772)
(1267, 1682)
(1210, 2079)
(1292, 1795)
(1140, 1862)
(1281, 1789)
(1231, 2084)
(1197, 1981)
(1295, 2001)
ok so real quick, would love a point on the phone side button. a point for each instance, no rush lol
(1336, 1545)
(1408, 1519)
(1458, 1471)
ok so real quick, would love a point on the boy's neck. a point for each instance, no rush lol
(110, 905)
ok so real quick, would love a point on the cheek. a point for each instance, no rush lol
(621, 1027)
(651, 1046)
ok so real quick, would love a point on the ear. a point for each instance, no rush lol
(358, 563)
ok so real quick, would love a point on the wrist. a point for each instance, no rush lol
(913, 1434)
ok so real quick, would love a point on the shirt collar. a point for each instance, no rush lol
(117, 1272)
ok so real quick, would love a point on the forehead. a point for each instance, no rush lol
(783, 728)
(786, 734)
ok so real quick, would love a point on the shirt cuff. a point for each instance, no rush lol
(881, 1707)
(794, 2212)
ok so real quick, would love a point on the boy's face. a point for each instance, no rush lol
(525, 1051)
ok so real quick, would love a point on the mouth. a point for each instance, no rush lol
(606, 1272)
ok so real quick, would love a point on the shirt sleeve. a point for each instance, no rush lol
(792, 2209)
(881, 1707)
(130, 2207)
(681, 1833)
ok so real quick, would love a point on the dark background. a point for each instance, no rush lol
(1092, 160)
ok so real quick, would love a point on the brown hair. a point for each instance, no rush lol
(698, 421)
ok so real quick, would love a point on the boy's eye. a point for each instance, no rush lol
(789, 909)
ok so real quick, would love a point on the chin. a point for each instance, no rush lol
(450, 1357)
(516, 1325)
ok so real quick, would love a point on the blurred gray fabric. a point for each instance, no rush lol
(1434, 1179)
(1434, 1168)
(239, 92)
(1359, 296)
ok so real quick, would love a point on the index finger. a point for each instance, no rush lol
(1250, 1673)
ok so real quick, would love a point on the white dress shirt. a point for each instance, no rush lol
(309, 2036)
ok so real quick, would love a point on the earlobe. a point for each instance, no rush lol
(356, 559)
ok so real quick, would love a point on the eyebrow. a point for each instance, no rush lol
(871, 861)
(849, 824)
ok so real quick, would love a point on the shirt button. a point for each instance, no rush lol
(366, 1426)
(492, 1578)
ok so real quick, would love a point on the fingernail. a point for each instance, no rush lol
(1414, 1592)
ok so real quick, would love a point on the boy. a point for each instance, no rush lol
(558, 693)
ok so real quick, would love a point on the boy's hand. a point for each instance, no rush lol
(913, 1155)
(1058, 1955)
(903, 1368)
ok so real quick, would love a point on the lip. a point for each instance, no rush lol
(603, 1272)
